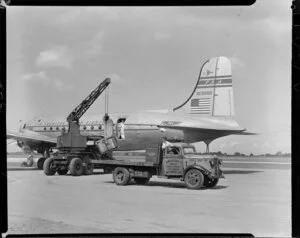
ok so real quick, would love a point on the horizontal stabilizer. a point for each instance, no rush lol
(246, 133)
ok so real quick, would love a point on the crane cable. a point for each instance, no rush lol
(106, 100)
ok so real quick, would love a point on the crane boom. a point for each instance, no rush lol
(78, 112)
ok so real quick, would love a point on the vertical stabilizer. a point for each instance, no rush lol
(213, 94)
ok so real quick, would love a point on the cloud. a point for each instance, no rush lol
(93, 47)
(42, 78)
(161, 36)
(57, 57)
(61, 86)
(39, 77)
(105, 13)
(236, 62)
(87, 15)
(64, 57)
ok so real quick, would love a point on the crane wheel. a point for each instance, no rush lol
(40, 163)
(88, 167)
(76, 167)
(210, 183)
(194, 179)
(62, 171)
(121, 176)
(141, 181)
(49, 167)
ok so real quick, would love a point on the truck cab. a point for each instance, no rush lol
(181, 160)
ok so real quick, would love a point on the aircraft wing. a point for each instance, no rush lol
(30, 136)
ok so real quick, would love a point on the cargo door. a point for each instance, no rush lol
(172, 161)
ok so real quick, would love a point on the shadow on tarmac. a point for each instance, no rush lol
(241, 171)
(22, 169)
(168, 185)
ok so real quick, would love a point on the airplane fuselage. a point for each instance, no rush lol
(141, 129)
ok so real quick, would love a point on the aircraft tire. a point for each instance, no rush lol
(48, 167)
(210, 183)
(194, 179)
(76, 167)
(121, 176)
(89, 167)
(40, 163)
(141, 181)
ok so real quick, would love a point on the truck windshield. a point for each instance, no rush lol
(189, 150)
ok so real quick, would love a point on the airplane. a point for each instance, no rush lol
(207, 114)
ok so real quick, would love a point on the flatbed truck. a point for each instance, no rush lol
(178, 161)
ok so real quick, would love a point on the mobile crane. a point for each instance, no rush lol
(73, 152)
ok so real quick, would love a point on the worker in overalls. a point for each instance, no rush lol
(29, 162)
(165, 143)
(120, 129)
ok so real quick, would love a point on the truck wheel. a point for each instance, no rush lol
(76, 167)
(210, 183)
(40, 163)
(88, 168)
(62, 171)
(194, 179)
(141, 180)
(121, 176)
(49, 167)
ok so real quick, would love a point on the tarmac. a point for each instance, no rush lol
(254, 197)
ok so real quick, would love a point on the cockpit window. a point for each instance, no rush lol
(189, 150)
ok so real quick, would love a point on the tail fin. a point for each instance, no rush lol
(213, 93)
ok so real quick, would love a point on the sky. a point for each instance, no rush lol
(57, 55)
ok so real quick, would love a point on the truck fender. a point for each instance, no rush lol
(199, 167)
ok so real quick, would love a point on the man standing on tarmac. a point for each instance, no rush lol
(29, 162)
